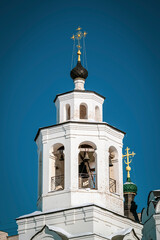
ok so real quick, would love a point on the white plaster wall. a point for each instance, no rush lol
(74, 99)
(78, 221)
(71, 135)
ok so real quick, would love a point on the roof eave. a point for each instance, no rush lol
(101, 123)
(84, 91)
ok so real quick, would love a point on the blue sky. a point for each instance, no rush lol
(123, 56)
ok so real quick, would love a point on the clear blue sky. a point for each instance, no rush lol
(123, 55)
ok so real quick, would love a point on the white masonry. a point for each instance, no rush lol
(80, 196)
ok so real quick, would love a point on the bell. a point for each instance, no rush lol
(61, 157)
(86, 157)
(111, 156)
(110, 163)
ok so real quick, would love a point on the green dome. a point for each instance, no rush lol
(129, 187)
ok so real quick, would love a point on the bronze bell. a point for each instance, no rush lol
(86, 157)
(111, 156)
(110, 162)
(61, 156)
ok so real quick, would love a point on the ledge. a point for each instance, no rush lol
(38, 213)
(80, 91)
(79, 122)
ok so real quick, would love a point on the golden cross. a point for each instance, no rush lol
(78, 37)
(128, 155)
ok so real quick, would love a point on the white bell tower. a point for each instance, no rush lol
(80, 158)
(66, 177)
(80, 177)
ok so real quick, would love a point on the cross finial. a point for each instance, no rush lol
(78, 36)
(129, 160)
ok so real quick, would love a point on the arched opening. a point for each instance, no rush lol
(57, 159)
(68, 112)
(113, 170)
(83, 111)
(87, 166)
(97, 114)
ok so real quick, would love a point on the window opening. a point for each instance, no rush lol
(57, 171)
(83, 112)
(87, 167)
(113, 169)
(68, 112)
(97, 114)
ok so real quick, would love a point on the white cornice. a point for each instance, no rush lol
(81, 95)
(87, 129)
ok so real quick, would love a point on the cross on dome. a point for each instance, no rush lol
(79, 73)
(78, 36)
(129, 160)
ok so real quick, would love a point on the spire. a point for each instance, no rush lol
(79, 73)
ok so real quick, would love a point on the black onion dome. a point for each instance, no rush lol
(79, 71)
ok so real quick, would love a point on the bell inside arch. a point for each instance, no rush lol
(110, 162)
(111, 157)
(86, 157)
(61, 158)
(60, 153)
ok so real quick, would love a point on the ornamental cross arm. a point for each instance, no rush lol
(80, 34)
(77, 37)
(128, 162)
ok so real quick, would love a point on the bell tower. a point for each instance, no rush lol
(80, 177)
(80, 158)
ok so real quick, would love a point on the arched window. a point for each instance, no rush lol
(87, 166)
(83, 111)
(57, 159)
(97, 114)
(113, 170)
(68, 112)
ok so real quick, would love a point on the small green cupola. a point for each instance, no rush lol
(129, 187)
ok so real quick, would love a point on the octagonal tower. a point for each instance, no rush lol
(80, 177)
(80, 158)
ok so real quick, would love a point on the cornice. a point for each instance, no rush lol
(73, 96)
(80, 92)
(86, 208)
(89, 126)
